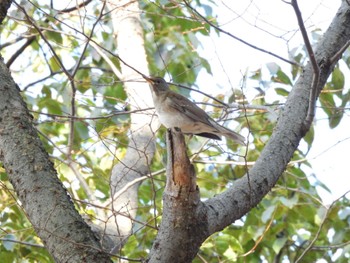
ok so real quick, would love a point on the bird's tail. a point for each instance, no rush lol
(231, 134)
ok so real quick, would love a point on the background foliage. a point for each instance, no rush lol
(291, 220)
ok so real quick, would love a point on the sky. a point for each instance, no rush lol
(272, 25)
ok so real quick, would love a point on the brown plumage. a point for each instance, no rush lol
(176, 111)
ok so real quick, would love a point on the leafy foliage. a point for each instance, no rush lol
(279, 228)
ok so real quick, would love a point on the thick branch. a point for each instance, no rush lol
(49, 208)
(135, 164)
(4, 6)
(178, 227)
(238, 200)
(184, 224)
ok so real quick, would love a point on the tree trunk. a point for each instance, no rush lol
(125, 175)
(222, 210)
(183, 227)
(42, 195)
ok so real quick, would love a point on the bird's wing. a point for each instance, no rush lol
(185, 106)
(192, 111)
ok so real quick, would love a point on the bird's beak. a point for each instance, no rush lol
(149, 80)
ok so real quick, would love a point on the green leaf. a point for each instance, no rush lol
(289, 202)
(82, 130)
(54, 64)
(52, 105)
(256, 74)
(278, 244)
(9, 245)
(54, 36)
(296, 69)
(282, 78)
(337, 80)
(208, 10)
(327, 103)
(309, 137)
(335, 119)
(266, 215)
(114, 94)
(282, 92)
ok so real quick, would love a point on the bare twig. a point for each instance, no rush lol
(16, 40)
(22, 242)
(338, 55)
(20, 51)
(83, 4)
(98, 49)
(73, 87)
(310, 246)
(262, 236)
(91, 118)
(237, 38)
(60, 72)
(30, 20)
(316, 69)
(79, 32)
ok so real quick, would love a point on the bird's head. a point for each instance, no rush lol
(157, 83)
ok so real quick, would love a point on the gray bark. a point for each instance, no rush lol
(4, 6)
(289, 130)
(124, 179)
(222, 210)
(43, 197)
(184, 224)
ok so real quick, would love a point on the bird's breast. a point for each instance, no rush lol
(168, 116)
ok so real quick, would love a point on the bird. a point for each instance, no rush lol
(177, 111)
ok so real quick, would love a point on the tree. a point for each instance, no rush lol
(85, 99)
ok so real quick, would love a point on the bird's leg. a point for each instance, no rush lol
(190, 135)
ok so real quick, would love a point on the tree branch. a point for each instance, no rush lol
(231, 205)
(183, 227)
(28, 42)
(237, 38)
(68, 10)
(316, 69)
(35, 181)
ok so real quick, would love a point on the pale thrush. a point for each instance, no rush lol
(176, 111)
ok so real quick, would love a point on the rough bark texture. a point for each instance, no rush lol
(129, 36)
(222, 210)
(49, 208)
(240, 198)
(184, 224)
(4, 6)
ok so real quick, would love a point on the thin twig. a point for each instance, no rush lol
(91, 118)
(21, 242)
(60, 72)
(338, 55)
(328, 210)
(20, 51)
(237, 38)
(56, 57)
(73, 87)
(262, 236)
(16, 40)
(68, 10)
(316, 69)
(98, 49)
